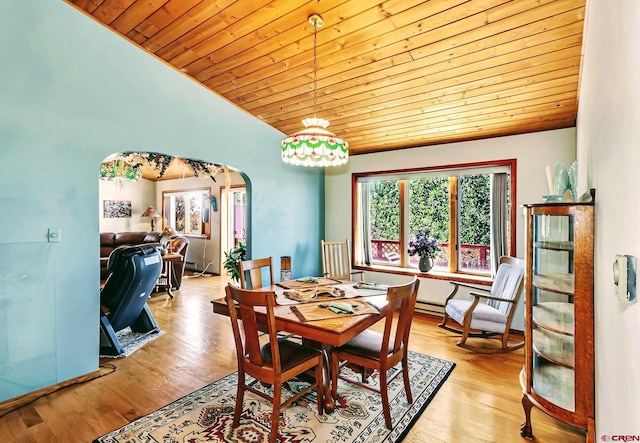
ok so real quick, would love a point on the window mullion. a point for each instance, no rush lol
(453, 224)
(404, 223)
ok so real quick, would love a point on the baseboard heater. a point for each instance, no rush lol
(429, 307)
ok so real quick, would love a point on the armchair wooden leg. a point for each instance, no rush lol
(385, 401)
(275, 416)
(239, 399)
(405, 377)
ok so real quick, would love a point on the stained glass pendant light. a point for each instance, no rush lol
(315, 145)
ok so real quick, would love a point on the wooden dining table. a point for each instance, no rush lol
(324, 333)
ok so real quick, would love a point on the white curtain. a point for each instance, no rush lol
(498, 219)
(364, 225)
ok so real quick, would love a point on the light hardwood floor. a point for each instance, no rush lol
(480, 402)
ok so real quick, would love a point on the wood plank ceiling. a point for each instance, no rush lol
(391, 74)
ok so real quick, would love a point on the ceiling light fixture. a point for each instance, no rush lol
(314, 145)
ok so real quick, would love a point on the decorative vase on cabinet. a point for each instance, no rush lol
(558, 375)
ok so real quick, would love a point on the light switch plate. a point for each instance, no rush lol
(624, 277)
(55, 235)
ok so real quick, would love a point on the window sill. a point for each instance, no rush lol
(434, 274)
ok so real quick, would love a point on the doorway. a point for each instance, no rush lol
(233, 218)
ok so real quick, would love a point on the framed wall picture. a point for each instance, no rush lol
(117, 209)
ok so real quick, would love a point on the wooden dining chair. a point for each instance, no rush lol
(474, 318)
(254, 268)
(271, 364)
(381, 351)
(336, 261)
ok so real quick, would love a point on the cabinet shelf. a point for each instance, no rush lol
(555, 245)
(554, 316)
(560, 283)
(554, 347)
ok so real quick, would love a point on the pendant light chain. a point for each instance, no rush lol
(315, 67)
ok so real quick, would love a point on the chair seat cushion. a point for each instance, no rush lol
(291, 354)
(366, 344)
(485, 318)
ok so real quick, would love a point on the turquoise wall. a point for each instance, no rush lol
(71, 93)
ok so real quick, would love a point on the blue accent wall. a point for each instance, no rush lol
(71, 93)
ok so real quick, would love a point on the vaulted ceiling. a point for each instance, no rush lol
(391, 74)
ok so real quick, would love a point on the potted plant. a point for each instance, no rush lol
(426, 248)
(232, 261)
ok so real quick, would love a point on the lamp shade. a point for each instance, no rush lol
(315, 146)
(151, 212)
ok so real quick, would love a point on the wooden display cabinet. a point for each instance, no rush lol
(558, 375)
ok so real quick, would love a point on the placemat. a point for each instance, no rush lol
(312, 311)
(301, 283)
(346, 290)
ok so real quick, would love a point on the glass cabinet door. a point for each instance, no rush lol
(552, 313)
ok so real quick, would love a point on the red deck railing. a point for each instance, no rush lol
(473, 258)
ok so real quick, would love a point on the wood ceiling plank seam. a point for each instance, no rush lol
(506, 119)
(340, 121)
(181, 45)
(488, 101)
(204, 45)
(84, 5)
(495, 34)
(549, 103)
(466, 80)
(328, 79)
(508, 122)
(268, 29)
(466, 134)
(183, 24)
(324, 76)
(299, 84)
(285, 58)
(390, 77)
(136, 13)
(109, 10)
(419, 8)
(545, 8)
(474, 11)
(469, 134)
(288, 46)
(92, 5)
(360, 45)
(164, 16)
(426, 132)
(561, 104)
(442, 81)
(558, 68)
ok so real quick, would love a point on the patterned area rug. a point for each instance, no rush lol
(131, 341)
(207, 414)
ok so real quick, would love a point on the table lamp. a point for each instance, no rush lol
(151, 212)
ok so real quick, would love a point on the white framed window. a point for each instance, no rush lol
(466, 208)
(188, 211)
